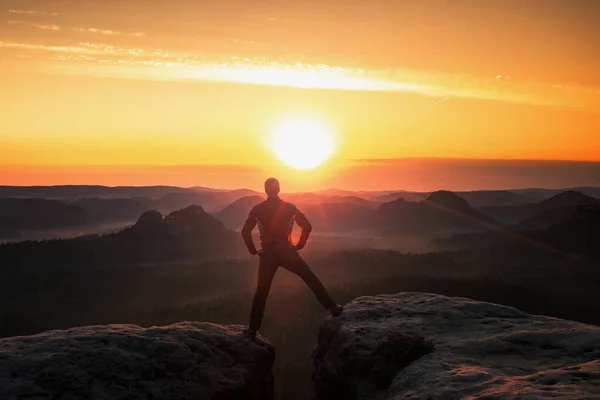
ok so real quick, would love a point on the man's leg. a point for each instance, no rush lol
(266, 273)
(295, 264)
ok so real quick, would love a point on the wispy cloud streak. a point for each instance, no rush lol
(49, 27)
(80, 49)
(31, 12)
(108, 32)
(54, 27)
(156, 64)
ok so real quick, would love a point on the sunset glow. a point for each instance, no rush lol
(132, 86)
(302, 142)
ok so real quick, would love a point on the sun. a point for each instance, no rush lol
(302, 142)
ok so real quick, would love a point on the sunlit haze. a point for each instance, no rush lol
(349, 94)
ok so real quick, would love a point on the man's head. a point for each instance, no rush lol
(272, 187)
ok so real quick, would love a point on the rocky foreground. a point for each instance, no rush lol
(424, 346)
(404, 346)
(182, 361)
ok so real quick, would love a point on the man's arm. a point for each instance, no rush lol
(247, 234)
(303, 223)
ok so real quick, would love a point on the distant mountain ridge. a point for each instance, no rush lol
(82, 191)
(576, 234)
(111, 210)
(185, 234)
(315, 198)
(568, 198)
(18, 216)
(234, 215)
(340, 215)
(356, 212)
(342, 218)
(477, 198)
(442, 211)
(563, 203)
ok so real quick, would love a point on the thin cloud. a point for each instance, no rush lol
(53, 27)
(79, 50)
(31, 12)
(108, 32)
(57, 49)
(49, 27)
(155, 64)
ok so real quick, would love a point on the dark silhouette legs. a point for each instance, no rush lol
(301, 268)
(290, 260)
(266, 273)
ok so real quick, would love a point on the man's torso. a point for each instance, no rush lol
(275, 220)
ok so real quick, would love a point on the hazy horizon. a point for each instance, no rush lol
(374, 175)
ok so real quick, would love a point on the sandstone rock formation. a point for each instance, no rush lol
(183, 361)
(482, 350)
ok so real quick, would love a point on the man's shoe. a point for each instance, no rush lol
(249, 334)
(336, 310)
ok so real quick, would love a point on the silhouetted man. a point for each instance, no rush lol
(275, 219)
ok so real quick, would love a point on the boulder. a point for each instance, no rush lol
(188, 360)
(426, 346)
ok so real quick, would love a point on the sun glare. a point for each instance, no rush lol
(302, 142)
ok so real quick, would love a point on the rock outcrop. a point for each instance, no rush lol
(379, 349)
(183, 361)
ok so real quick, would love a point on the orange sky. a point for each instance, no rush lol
(112, 92)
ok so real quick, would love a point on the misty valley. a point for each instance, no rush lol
(75, 256)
